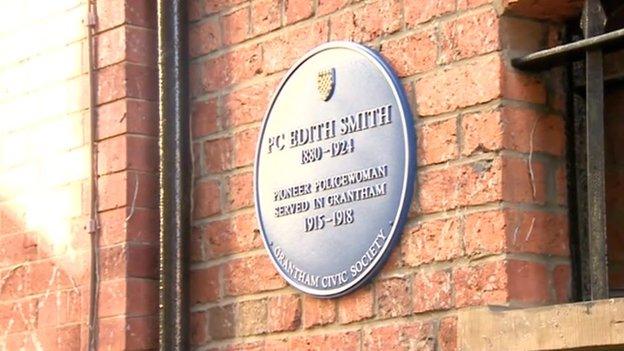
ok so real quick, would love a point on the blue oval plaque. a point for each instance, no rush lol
(334, 169)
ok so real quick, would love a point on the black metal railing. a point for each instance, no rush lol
(592, 260)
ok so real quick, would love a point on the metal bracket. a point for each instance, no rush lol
(91, 15)
(91, 227)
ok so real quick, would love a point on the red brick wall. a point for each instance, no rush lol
(488, 224)
(44, 175)
(128, 174)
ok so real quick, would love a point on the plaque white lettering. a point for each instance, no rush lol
(334, 169)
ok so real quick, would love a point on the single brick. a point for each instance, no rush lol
(127, 116)
(469, 36)
(251, 317)
(112, 333)
(484, 132)
(297, 10)
(204, 37)
(113, 262)
(141, 82)
(230, 68)
(141, 297)
(484, 284)
(527, 129)
(537, 232)
(207, 201)
(328, 6)
(393, 297)
(447, 334)
(486, 233)
(236, 26)
(204, 118)
(284, 313)
(248, 104)
(529, 282)
(306, 342)
(367, 22)
(439, 190)
(394, 262)
(141, 332)
(111, 46)
(437, 142)
(347, 341)
(204, 285)
(562, 281)
(265, 16)
(501, 282)
(460, 86)
(199, 328)
(420, 11)
(467, 4)
(523, 181)
(214, 6)
(318, 311)
(229, 236)
(240, 191)
(195, 10)
(523, 86)
(411, 336)
(383, 338)
(282, 51)
(221, 322)
(142, 261)
(356, 306)
(431, 291)
(218, 155)
(250, 275)
(413, 54)
(127, 152)
(244, 150)
(141, 14)
(197, 250)
(483, 181)
(112, 83)
(438, 240)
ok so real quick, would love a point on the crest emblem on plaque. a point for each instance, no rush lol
(325, 83)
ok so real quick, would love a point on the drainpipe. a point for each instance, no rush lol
(175, 175)
(93, 225)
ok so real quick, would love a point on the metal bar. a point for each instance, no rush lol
(579, 122)
(559, 55)
(175, 176)
(572, 186)
(593, 24)
(610, 82)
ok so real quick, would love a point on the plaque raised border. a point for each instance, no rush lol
(408, 178)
